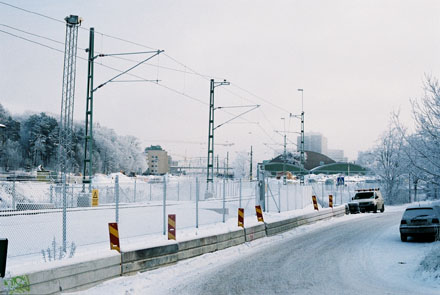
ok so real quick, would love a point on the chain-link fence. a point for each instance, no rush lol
(50, 220)
(46, 220)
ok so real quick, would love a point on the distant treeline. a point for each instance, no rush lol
(30, 141)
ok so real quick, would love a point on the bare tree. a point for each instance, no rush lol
(390, 163)
(423, 147)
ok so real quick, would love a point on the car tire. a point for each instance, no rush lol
(375, 209)
(382, 209)
(403, 237)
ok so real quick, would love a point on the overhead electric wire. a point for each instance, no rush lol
(204, 76)
(32, 12)
(139, 77)
(32, 34)
(149, 47)
(259, 97)
(36, 42)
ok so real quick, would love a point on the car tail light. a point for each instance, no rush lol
(435, 220)
(404, 221)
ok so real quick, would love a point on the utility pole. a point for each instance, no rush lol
(301, 117)
(88, 148)
(217, 164)
(284, 160)
(301, 179)
(210, 168)
(250, 167)
(212, 108)
(88, 138)
(227, 165)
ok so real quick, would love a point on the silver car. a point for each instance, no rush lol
(420, 221)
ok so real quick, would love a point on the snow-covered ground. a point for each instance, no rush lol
(383, 260)
(34, 232)
(141, 213)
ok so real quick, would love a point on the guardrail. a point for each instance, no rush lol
(86, 274)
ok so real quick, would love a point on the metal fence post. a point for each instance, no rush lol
(287, 196)
(134, 196)
(279, 197)
(13, 193)
(178, 191)
(239, 197)
(164, 205)
(71, 197)
(150, 191)
(197, 202)
(224, 200)
(117, 198)
(257, 193)
(64, 213)
(190, 190)
(302, 196)
(266, 184)
(51, 194)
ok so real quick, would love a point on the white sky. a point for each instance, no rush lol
(357, 61)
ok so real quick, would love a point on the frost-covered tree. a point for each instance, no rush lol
(39, 140)
(32, 140)
(241, 165)
(117, 153)
(390, 163)
(424, 144)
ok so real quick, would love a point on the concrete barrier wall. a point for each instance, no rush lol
(255, 232)
(86, 274)
(273, 228)
(66, 278)
(149, 258)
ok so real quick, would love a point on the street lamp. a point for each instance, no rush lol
(302, 98)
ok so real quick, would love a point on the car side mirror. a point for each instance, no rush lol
(352, 198)
(377, 197)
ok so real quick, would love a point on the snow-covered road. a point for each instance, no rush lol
(359, 254)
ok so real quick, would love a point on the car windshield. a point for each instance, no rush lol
(366, 195)
(418, 212)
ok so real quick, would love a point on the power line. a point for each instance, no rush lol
(112, 56)
(136, 76)
(32, 34)
(32, 41)
(32, 12)
(259, 97)
(149, 47)
(204, 76)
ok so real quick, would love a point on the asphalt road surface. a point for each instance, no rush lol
(357, 256)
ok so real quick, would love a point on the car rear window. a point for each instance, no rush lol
(366, 195)
(414, 212)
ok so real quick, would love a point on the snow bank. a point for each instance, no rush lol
(429, 268)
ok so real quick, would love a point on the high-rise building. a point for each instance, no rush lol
(157, 160)
(337, 155)
(314, 142)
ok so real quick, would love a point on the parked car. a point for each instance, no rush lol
(353, 207)
(369, 200)
(420, 221)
